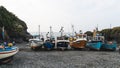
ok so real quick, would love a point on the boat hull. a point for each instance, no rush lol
(62, 44)
(78, 44)
(7, 54)
(94, 46)
(36, 46)
(49, 45)
(6, 60)
(111, 47)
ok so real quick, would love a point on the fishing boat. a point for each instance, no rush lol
(95, 42)
(79, 41)
(50, 42)
(62, 41)
(110, 45)
(36, 43)
(7, 52)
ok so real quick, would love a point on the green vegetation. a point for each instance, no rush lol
(110, 34)
(14, 27)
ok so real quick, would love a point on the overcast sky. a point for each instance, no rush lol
(83, 14)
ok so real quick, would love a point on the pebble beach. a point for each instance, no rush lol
(26, 58)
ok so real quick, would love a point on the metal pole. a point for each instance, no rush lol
(72, 30)
(50, 32)
(39, 31)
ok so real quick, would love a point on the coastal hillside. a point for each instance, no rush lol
(110, 34)
(14, 28)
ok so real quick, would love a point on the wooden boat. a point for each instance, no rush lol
(50, 42)
(109, 45)
(62, 41)
(95, 42)
(6, 53)
(79, 42)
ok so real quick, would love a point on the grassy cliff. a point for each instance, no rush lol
(15, 29)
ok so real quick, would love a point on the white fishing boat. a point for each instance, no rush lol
(36, 43)
(62, 41)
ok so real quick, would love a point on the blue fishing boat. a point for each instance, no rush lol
(48, 45)
(96, 45)
(109, 45)
(50, 42)
(95, 42)
(7, 52)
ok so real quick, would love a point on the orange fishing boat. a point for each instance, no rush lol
(79, 41)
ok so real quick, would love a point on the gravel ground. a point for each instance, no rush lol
(26, 58)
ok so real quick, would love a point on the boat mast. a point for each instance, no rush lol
(96, 33)
(73, 30)
(61, 31)
(39, 31)
(110, 26)
(50, 32)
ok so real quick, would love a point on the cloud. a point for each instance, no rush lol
(83, 14)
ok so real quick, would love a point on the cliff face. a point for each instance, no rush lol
(14, 27)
